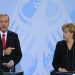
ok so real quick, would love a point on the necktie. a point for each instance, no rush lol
(3, 41)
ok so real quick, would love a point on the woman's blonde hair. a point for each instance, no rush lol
(71, 28)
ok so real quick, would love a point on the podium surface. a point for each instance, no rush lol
(62, 73)
(11, 73)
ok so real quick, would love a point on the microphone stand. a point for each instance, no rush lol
(73, 59)
(13, 67)
(67, 59)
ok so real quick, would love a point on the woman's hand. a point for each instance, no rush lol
(62, 69)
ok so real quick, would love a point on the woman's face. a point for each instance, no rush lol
(67, 35)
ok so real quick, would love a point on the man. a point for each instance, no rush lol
(10, 51)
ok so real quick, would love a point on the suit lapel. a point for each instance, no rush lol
(8, 39)
(0, 43)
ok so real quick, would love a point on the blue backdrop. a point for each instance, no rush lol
(38, 24)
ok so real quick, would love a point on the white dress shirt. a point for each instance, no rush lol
(1, 33)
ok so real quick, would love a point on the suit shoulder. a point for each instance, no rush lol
(12, 33)
(60, 42)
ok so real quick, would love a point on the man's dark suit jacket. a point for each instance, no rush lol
(63, 57)
(12, 41)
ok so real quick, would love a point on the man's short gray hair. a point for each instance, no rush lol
(5, 15)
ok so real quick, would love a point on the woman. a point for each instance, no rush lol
(64, 56)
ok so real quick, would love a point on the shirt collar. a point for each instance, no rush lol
(3, 33)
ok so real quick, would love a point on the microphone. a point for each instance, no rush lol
(11, 69)
(67, 60)
(73, 58)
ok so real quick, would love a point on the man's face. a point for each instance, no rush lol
(4, 23)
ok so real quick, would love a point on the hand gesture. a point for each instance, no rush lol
(8, 50)
(10, 64)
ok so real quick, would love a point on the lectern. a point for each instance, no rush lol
(11, 73)
(61, 73)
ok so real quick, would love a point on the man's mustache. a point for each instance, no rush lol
(3, 26)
